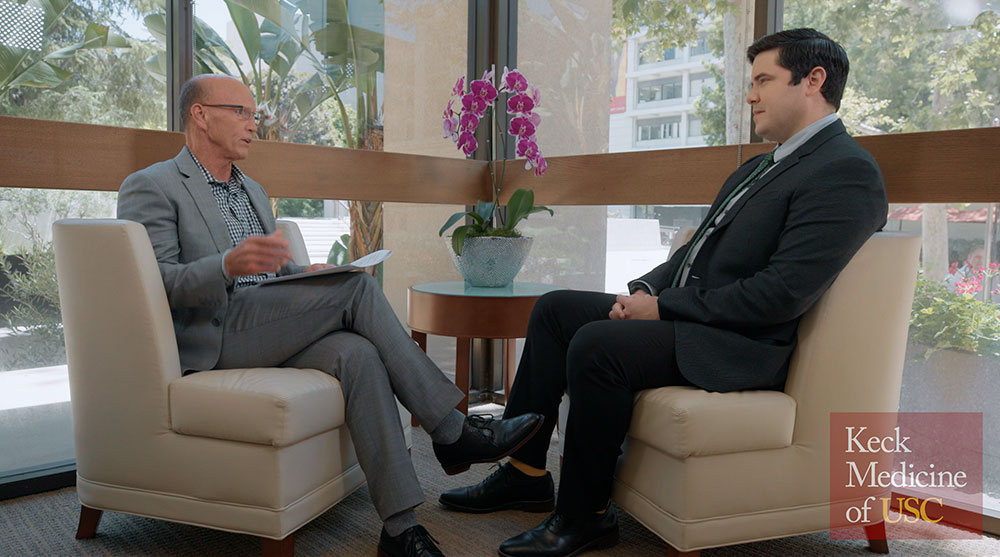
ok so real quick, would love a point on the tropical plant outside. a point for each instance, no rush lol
(343, 57)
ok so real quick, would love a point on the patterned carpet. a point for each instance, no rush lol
(44, 525)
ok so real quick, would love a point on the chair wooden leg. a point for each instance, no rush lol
(877, 541)
(673, 552)
(278, 548)
(89, 519)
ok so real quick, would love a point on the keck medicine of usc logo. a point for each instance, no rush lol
(919, 473)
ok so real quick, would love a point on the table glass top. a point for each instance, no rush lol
(515, 290)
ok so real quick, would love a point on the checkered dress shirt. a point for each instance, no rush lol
(241, 219)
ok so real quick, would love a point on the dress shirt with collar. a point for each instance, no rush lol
(241, 219)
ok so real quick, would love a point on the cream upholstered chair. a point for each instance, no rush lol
(296, 244)
(254, 451)
(707, 469)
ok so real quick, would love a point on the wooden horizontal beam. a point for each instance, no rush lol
(958, 166)
(932, 167)
(61, 155)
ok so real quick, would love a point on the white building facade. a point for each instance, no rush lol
(655, 108)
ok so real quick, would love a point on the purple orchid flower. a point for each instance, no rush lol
(468, 122)
(520, 103)
(450, 128)
(540, 165)
(536, 95)
(474, 104)
(467, 143)
(527, 148)
(484, 90)
(465, 111)
(513, 81)
(521, 127)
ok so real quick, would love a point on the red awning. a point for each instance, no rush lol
(954, 214)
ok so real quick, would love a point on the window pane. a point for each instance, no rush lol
(953, 356)
(35, 429)
(661, 67)
(694, 126)
(932, 65)
(309, 95)
(321, 83)
(103, 80)
(426, 52)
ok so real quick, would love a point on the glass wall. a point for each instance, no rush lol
(931, 65)
(627, 76)
(359, 77)
(35, 427)
(81, 62)
(78, 62)
(426, 51)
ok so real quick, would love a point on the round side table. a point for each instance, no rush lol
(456, 309)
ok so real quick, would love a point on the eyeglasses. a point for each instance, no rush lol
(242, 112)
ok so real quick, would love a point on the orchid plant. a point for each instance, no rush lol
(465, 110)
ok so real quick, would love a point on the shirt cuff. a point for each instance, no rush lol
(637, 284)
(229, 279)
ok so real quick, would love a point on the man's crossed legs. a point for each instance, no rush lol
(343, 325)
(572, 346)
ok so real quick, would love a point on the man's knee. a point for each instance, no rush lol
(354, 355)
(589, 356)
(550, 305)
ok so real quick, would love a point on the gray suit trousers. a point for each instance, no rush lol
(343, 325)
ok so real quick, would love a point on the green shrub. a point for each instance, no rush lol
(34, 292)
(943, 319)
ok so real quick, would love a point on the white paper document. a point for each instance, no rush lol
(359, 264)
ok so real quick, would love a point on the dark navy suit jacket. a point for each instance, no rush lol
(771, 257)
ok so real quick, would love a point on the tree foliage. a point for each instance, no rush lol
(914, 66)
(669, 24)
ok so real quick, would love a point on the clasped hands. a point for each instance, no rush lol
(637, 306)
(261, 254)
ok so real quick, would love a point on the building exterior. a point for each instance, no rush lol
(652, 103)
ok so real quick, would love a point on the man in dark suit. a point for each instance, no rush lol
(721, 314)
(214, 237)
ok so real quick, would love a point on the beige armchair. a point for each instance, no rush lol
(253, 451)
(704, 469)
(296, 244)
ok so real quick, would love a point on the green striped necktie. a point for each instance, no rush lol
(765, 163)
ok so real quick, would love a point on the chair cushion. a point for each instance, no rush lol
(268, 406)
(685, 421)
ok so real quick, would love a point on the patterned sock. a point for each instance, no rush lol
(400, 522)
(449, 429)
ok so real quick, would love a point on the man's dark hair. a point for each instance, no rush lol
(801, 50)
(193, 91)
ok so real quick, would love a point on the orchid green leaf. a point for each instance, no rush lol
(451, 220)
(458, 239)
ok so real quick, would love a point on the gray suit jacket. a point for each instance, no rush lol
(187, 230)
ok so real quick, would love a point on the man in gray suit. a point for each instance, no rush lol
(214, 237)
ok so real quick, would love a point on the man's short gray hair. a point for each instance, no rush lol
(192, 92)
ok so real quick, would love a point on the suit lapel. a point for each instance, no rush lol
(260, 203)
(789, 161)
(200, 191)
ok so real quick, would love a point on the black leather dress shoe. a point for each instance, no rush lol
(562, 536)
(485, 439)
(506, 488)
(413, 542)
